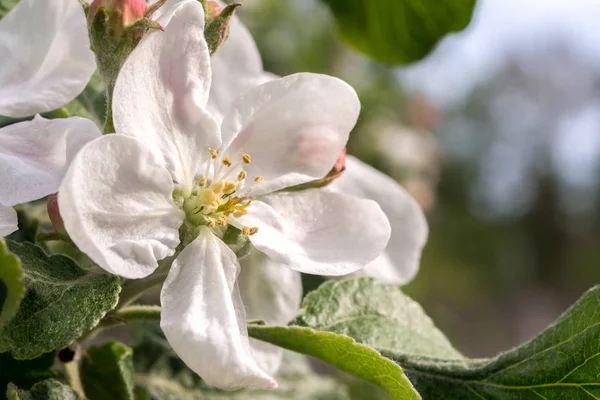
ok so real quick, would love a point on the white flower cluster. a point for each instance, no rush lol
(205, 146)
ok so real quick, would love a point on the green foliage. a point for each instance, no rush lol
(399, 31)
(24, 373)
(161, 375)
(12, 288)
(62, 301)
(107, 372)
(46, 390)
(562, 362)
(6, 6)
(376, 314)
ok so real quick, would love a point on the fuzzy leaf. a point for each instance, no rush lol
(107, 372)
(62, 301)
(376, 314)
(563, 362)
(399, 31)
(46, 390)
(12, 288)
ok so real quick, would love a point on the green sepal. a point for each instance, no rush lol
(107, 372)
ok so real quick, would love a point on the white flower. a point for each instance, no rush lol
(45, 59)
(127, 197)
(400, 261)
(34, 156)
(237, 67)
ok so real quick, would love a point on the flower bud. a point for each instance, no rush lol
(217, 27)
(121, 13)
(213, 10)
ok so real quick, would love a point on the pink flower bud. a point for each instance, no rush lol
(121, 13)
(54, 214)
(213, 10)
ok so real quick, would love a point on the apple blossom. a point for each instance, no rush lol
(46, 58)
(237, 67)
(173, 182)
(34, 156)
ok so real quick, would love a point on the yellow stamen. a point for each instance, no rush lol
(202, 181)
(213, 153)
(217, 187)
(241, 176)
(211, 222)
(226, 162)
(246, 158)
(222, 221)
(259, 179)
(209, 196)
(253, 231)
(229, 187)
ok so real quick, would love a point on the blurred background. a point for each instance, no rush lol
(497, 135)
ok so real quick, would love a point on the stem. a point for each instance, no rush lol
(109, 126)
(59, 113)
(133, 289)
(73, 377)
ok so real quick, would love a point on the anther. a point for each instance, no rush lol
(222, 221)
(241, 176)
(211, 222)
(253, 230)
(213, 153)
(202, 181)
(226, 162)
(259, 179)
(217, 187)
(229, 187)
(246, 158)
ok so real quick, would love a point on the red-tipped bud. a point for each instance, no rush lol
(339, 167)
(121, 13)
(54, 214)
(213, 10)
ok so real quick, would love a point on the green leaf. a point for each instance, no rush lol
(107, 372)
(62, 302)
(161, 375)
(563, 362)
(46, 390)
(12, 288)
(376, 314)
(24, 373)
(343, 353)
(399, 31)
(6, 6)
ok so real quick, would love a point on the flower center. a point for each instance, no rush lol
(217, 195)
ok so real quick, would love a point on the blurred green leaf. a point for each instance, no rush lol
(24, 373)
(399, 31)
(46, 390)
(6, 6)
(62, 301)
(107, 372)
(563, 362)
(12, 288)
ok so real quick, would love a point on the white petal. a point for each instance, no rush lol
(203, 316)
(409, 226)
(236, 68)
(8, 220)
(294, 128)
(318, 232)
(272, 293)
(35, 155)
(161, 93)
(45, 59)
(117, 205)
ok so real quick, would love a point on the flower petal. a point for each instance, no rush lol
(318, 232)
(272, 293)
(35, 155)
(203, 316)
(236, 68)
(161, 93)
(400, 262)
(117, 205)
(46, 58)
(8, 220)
(294, 128)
